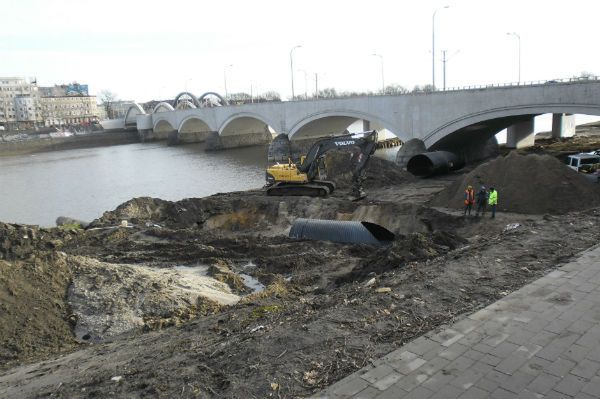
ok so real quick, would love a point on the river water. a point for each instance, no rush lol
(83, 183)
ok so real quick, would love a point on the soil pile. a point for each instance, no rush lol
(533, 184)
(405, 249)
(34, 316)
(379, 172)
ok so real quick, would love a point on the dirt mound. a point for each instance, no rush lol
(34, 316)
(533, 184)
(405, 249)
(379, 172)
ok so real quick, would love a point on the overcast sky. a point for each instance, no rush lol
(145, 50)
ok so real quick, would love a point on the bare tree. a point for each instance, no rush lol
(240, 98)
(108, 98)
(585, 75)
(267, 96)
(395, 89)
(328, 93)
(422, 89)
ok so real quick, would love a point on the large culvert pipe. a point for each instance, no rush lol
(341, 231)
(434, 163)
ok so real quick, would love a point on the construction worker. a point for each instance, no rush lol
(493, 201)
(482, 199)
(469, 199)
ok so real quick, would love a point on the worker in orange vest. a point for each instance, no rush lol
(469, 199)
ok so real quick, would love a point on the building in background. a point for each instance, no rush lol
(68, 104)
(117, 109)
(25, 106)
(20, 107)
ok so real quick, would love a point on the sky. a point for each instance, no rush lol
(144, 50)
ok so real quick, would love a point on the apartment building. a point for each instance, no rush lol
(25, 106)
(68, 104)
(20, 106)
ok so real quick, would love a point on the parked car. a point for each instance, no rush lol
(584, 163)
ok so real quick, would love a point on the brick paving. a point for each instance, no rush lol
(542, 341)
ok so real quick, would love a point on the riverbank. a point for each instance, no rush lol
(16, 143)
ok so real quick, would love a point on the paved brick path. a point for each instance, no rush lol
(542, 341)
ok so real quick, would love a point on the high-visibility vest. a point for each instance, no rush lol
(493, 197)
(469, 197)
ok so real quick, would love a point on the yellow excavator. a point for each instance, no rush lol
(304, 178)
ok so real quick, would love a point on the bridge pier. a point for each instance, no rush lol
(521, 135)
(563, 125)
(216, 142)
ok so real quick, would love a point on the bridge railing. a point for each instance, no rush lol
(517, 84)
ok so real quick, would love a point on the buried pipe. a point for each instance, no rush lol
(434, 163)
(341, 231)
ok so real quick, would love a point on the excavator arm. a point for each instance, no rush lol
(366, 142)
(293, 179)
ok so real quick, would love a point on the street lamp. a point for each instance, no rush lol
(382, 80)
(433, 46)
(292, 67)
(445, 59)
(518, 37)
(225, 77)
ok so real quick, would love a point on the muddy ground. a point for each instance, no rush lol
(327, 310)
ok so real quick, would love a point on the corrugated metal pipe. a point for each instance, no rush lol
(434, 163)
(341, 231)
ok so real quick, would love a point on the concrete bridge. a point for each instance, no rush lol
(456, 120)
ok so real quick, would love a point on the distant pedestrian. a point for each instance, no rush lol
(469, 199)
(493, 201)
(482, 199)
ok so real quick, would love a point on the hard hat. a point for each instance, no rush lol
(469, 187)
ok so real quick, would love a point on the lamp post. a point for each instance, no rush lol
(292, 67)
(519, 40)
(445, 59)
(433, 46)
(225, 77)
(382, 80)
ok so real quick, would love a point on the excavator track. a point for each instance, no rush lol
(315, 189)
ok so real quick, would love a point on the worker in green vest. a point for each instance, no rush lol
(493, 201)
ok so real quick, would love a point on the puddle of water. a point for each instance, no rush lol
(252, 283)
(194, 270)
(202, 271)
(249, 265)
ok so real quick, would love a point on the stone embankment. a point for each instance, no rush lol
(15, 143)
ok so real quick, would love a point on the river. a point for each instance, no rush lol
(83, 183)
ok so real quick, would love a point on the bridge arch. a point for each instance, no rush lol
(162, 126)
(165, 106)
(132, 111)
(193, 98)
(193, 129)
(482, 125)
(245, 123)
(203, 99)
(336, 121)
